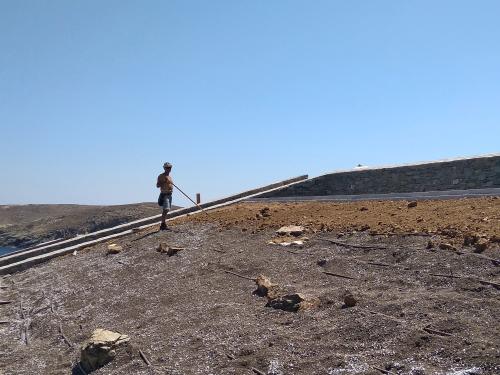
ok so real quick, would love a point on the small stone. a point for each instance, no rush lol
(363, 209)
(430, 244)
(114, 248)
(481, 245)
(412, 204)
(162, 247)
(349, 300)
(471, 239)
(321, 262)
(265, 212)
(293, 230)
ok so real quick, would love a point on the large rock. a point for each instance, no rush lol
(114, 248)
(165, 248)
(265, 288)
(290, 230)
(100, 348)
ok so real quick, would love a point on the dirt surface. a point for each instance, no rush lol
(452, 219)
(26, 225)
(418, 310)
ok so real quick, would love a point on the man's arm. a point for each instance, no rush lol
(158, 181)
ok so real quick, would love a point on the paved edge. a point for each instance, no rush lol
(432, 195)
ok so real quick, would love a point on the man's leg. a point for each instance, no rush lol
(163, 220)
(167, 204)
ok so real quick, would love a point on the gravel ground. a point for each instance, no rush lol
(189, 316)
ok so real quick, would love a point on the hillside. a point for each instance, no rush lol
(26, 225)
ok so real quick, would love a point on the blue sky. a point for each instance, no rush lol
(96, 95)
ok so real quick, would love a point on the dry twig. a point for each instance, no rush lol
(144, 358)
(339, 275)
(66, 340)
(436, 332)
(257, 371)
(241, 276)
(382, 370)
(346, 244)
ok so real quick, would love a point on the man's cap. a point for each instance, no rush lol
(167, 165)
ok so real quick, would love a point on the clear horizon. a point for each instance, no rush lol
(97, 96)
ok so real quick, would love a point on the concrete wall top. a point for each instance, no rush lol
(415, 164)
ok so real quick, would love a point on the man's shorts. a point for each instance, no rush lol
(167, 202)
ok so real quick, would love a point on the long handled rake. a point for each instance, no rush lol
(196, 204)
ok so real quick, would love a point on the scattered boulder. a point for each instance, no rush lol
(290, 230)
(481, 245)
(294, 302)
(265, 288)
(349, 300)
(114, 248)
(412, 204)
(100, 348)
(165, 248)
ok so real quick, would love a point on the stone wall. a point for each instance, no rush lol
(458, 174)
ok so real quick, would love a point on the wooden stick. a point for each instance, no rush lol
(443, 275)
(243, 277)
(436, 332)
(144, 358)
(257, 371)
(4, 322)
(64, 337)
(26, 335)
(219, 251)
(380, 264)
(382, 370)
(338, 275)
(345, 244)
(41, 309)
(23, 316)
(496, 285)
(5, 302)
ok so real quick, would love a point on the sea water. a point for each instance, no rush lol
(6, 250)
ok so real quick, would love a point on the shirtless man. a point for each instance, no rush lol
(165, 183)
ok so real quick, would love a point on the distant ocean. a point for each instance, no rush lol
(6, 250)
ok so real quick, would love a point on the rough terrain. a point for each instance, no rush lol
(420, 308)
(27, 225)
